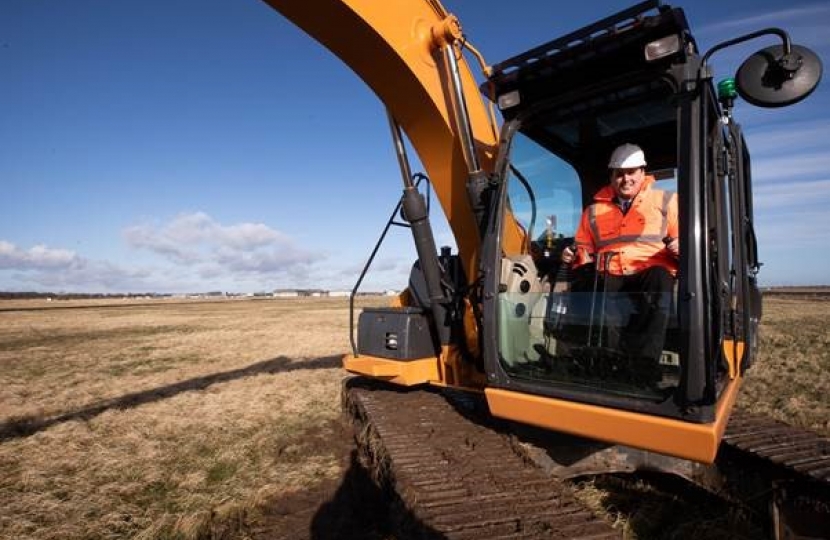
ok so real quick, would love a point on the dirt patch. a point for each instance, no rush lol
(350, 507)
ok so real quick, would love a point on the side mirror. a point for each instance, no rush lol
(770, 78)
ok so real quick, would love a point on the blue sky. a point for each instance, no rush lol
(210, 145)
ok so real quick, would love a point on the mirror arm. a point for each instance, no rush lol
(785, 38)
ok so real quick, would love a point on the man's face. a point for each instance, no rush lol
(627, 182)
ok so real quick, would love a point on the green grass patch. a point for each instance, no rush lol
(221, 471)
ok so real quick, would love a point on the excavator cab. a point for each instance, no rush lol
(563, 350)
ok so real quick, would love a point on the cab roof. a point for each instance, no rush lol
(607, 50)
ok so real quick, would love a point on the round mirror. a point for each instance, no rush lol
(768, 78)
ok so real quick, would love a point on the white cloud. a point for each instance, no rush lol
(146, 237)
(264, 261)
(785, 169)
(782, 153)
(392, 265)
(788, 138)
(250, 235)
(95, 276)
(385, 273)
(36, 258)
(196, 239)
(63, 270)
(195, 253)
(805, 196)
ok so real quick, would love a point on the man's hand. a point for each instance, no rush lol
(568, 255)
(673, 245)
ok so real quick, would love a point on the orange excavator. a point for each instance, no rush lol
(501, 316)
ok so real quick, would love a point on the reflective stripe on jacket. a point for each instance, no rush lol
(630, 243)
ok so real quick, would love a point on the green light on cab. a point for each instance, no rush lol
(727, 89)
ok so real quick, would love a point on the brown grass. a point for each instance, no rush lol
(791, 379)
(157, 419)
(162, 421)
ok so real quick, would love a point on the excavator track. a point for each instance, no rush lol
(453, 474)
(798, 454)
(785, 467)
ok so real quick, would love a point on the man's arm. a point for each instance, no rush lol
(673, 228)
(583, 251)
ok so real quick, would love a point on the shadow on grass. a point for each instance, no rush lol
(356, 508)
(25, 426)
(363, 509)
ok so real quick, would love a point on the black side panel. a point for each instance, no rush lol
(394, 333)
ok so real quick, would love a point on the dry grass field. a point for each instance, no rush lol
(161, 419)
(791, 380)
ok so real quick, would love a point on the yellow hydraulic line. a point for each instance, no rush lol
(486, 70)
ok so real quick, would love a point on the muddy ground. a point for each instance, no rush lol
(642, 506)
(349, 507)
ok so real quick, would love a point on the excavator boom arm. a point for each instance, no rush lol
(395, 47)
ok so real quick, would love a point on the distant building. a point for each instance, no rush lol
(340, 293)
(286, 293)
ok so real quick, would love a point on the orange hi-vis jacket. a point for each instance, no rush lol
(628, 243)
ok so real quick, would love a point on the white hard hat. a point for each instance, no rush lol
(627, 156)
